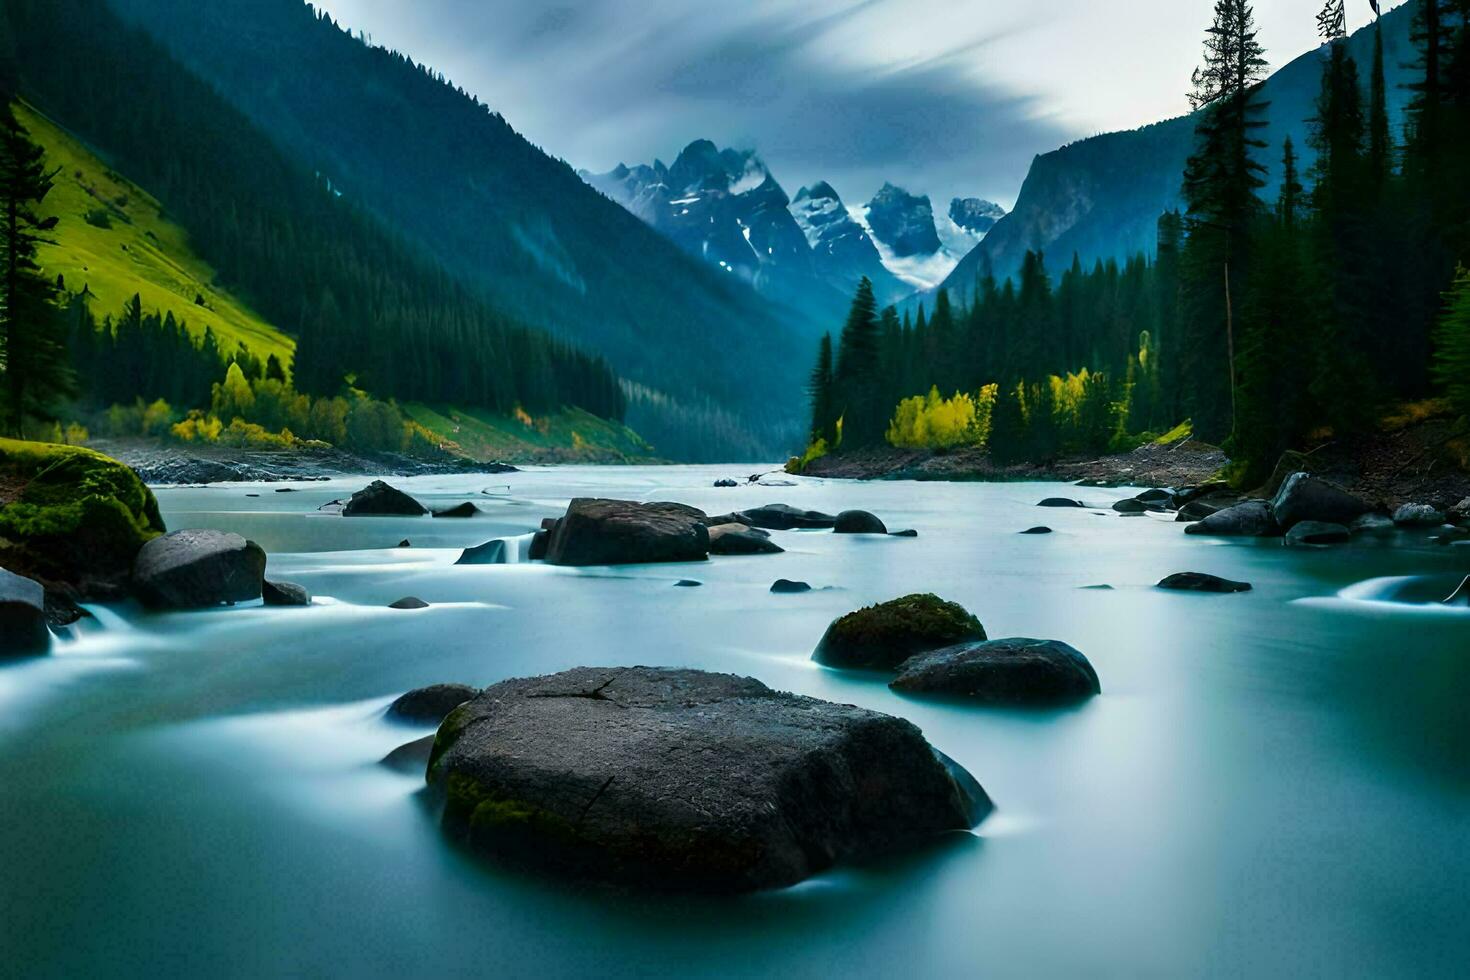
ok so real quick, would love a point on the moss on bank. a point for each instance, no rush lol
(72, 517)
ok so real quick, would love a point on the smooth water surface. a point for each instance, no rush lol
(1272, 784)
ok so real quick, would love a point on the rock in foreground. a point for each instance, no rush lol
(680, 780)
(429, 705)
(883, 636)
(1200, 582)
(195, 569)
(1252, 519)
(377, 499)
(784, 517)
(739, 539)
(22, 616)
(858, 522)
(284, 594)
(1304, 497)
(625, 532)
(1010, 671)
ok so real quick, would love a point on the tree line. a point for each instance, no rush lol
(1265, 324)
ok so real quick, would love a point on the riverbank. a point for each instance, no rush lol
(161, 464)
(1418, 455)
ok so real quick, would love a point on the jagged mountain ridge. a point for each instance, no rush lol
(726, 207)
(1101, 197)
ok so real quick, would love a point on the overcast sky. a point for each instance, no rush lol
(945, 97)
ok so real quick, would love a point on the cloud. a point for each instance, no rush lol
(852, 91)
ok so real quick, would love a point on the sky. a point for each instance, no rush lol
(950, 98)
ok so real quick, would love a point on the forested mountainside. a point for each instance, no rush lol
(1101, 197)
(368, 311)
(451, 175)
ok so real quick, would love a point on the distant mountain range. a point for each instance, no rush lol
(725, 207)
(1100, 198)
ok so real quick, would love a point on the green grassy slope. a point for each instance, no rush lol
(569, 436)
(141, 251)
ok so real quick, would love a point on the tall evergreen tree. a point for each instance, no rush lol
(858, 382)
(37, 370)
(1452, 344)
(820, 391)
(1221, 182)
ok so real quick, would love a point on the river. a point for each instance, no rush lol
(1272, 784)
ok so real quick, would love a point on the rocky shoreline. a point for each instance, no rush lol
(1414, 462)
(159, 465)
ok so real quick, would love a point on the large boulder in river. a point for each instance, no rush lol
(883, 636)
(784, 517)
(1251, 519)
(686, 781)
(1010, 671)
(626, 532)
(1304, 497)
(858, 522)
(739, 539)
(22, 616)
(195, 569)
(377, 499)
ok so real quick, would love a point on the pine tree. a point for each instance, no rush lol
(819, 390)
(1221, 182)
(1008, 426)
(1452, 344)
(32, 329)
(1380, 142)
(858, 385)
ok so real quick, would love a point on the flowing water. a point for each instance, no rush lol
(1271, 784)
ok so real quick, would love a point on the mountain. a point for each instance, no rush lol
(975, 215)
(914, 245)
(726, 208)
(453, 177)
(1101, 197)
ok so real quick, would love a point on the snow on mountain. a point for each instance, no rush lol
(727, 208)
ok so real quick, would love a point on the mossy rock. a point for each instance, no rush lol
(72, 518)
(883, 636)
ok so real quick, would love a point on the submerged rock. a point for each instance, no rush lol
(1200, 582)
(23, 629)
(1251, 519)
(1318, 533)
(1304, 497)
(405, 543)
(408, 602)
(1418, 515)
(1037, 530)
(788, 587)
(1156, 497)
(466, 509)
(883, 636)
(1060, 502)
(489, 553)
(858, 522)
(377, 499)
(1010, 671)
(625, 532)
(738, 539)
(680, 780)
(906, 533)
(687, 583)
(1132, 506)
(429, 705)
(1197, 510)
(784, 517)
(726, 483)
(198, 568)
(284, 594)
(411, 758)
